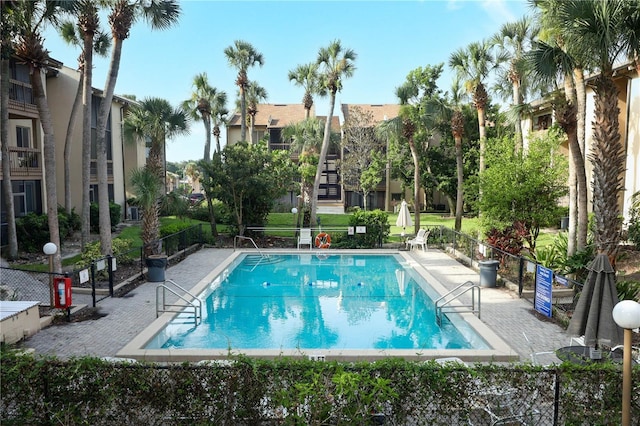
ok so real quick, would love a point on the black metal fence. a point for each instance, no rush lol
(518, 270)
(99, 279)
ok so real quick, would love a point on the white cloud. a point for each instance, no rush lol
(499, 10)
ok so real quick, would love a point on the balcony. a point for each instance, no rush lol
(21, 97)
(26, 162)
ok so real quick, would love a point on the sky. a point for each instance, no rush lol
(390, 38)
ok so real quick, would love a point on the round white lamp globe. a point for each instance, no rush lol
(627, 314)
(294, 210)
(49, 249)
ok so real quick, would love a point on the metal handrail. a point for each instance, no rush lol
(470, 286)
(161, 305)
(237, 237)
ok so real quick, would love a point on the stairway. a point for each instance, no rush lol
(330, 207)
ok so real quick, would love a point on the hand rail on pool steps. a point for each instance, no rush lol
(470, 286)
(161, 290)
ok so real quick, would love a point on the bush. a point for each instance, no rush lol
(377, 223)
(33, 232)
(115, 213)
(68, 223)
(201, 212)
(92, 252)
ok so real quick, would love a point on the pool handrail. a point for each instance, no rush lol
(241, 237)
(160, 297)
(470, 286)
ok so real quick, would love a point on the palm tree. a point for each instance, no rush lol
(306, 76)
(457, 130)
(241, 56)
(160, 14)
(8, 29)
(550, 63)
(148, 190)
(155, 121)
(605, 32)
(219, 113)
(85, 32)
(336, 63)
(514, 39)
(255, 94)
(306, 141)
(31, 16)
(473, 66)
(204, 100)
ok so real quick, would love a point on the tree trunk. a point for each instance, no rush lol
(416, 183)
(252, 121)
(7, 188)
(49, 148)
(206, 119)
(607, 157)
(103, 116)
(323, 158)
(68, 142)
(517, 101)
(243, 115)
(87, 99)
(460, 190)
(570, 129)
(582, 195)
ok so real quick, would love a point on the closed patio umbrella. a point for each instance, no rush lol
(404, 217)
(593, 316)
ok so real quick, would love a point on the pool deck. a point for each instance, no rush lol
(502, 311)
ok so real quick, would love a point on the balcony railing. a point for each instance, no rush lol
(21, 96)
(25, 161)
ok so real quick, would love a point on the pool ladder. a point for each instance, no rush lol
(240, 237)
(443, 304)
(186, 305)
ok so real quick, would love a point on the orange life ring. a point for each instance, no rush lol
(323, 240)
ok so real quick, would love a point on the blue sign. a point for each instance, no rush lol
(543, 296)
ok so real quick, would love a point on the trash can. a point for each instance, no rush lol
(156, 265)
(564, 223)
(488, 273)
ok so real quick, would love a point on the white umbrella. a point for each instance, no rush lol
(404, 217)
(402, 281)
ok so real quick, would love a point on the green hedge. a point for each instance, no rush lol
(246, 391)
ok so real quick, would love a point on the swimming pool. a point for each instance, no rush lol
(329, 305)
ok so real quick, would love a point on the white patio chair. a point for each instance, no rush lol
(419, 240)
(534, 355)
(305, 238)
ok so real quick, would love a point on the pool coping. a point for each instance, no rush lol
(499, 350)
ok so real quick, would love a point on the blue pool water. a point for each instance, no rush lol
(310, 301)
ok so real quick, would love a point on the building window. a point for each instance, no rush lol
(23, 137)
(93, 193)
(26, 197)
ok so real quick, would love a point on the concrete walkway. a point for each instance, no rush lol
(505, 313)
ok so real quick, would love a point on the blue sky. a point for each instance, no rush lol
(391, 38)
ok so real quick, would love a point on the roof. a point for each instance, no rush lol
(276, 115)
(380, 112)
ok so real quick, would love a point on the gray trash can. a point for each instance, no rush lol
(156, 265)
(488, 273)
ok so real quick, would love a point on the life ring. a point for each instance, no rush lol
(323, 240)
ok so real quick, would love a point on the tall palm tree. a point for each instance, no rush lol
(8, 30)
(160, 14)
(219, 115)
(567, 52)
(255, 95)
(84, 32)
(457, 130)
(242, 55)
(550, 63)
(473, 65)
(155, 121)
(336, 63)
(203, 102)
(306, 141)
(306, 76)
(514, 39)
(31, 16)
(606, 32)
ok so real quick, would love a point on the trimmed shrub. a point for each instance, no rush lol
(115, 213)
(33, 232)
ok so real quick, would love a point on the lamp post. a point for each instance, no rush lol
(627, 315)
(50, 249)
(294, 211)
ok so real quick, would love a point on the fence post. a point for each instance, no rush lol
(110, 266)
(142, 262)
(521, 276)
(93, 283)
(471, 250)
